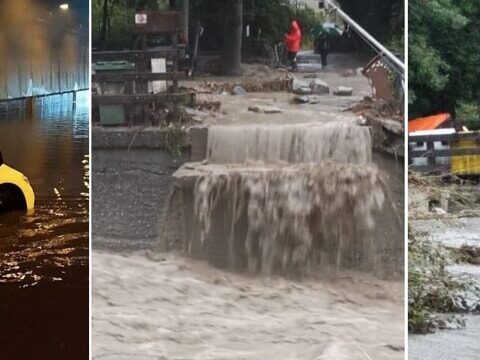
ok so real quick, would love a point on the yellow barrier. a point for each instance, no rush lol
(466, 164)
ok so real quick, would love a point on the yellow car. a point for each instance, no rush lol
(15, 190)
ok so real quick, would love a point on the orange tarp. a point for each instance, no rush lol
(427, 123)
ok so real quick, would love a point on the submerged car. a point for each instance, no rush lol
(16, 193)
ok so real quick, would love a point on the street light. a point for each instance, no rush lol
(64, 6)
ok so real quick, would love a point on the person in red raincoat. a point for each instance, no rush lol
(292, 43)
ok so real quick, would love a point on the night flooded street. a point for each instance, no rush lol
(44, 255)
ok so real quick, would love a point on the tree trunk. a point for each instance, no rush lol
(232, 48)
(185, 18)
(103, 34)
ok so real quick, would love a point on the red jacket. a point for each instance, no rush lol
(294, 38)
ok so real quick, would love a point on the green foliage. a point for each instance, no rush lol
(397, 44)
(469, 114)
(273, 17)
(383, 19)
(444, 58)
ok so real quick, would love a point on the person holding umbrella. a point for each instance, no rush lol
(292, 43)
(324, 33)
(324, 47)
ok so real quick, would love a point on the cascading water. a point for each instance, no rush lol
(281, 199)
(297, 143)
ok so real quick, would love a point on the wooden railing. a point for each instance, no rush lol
(155, 23)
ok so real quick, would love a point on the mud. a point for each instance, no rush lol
(179, 308)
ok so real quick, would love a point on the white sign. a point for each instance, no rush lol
(158, 86)
(140, 19)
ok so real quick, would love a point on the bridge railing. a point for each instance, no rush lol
(456, 153)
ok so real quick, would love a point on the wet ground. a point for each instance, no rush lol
(447, 344)
(44, 256)
(129, 190)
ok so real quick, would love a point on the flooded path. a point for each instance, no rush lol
(175, 307)
(167, 306)
(44, 256)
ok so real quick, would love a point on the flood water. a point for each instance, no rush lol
(44, 256)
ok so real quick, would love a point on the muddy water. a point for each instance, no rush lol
(44, 256)
(284, 197)
(182, 309)
(285, 218)
(294, 143)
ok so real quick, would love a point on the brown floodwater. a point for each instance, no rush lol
(44, 255)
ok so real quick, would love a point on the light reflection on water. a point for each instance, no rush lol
(52, 151)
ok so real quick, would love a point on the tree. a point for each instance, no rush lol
(444, 58)
(232, 48)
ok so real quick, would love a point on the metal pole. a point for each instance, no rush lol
(369, 37)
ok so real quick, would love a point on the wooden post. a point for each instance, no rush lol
(430, 153)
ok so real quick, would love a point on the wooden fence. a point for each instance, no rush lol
(150, 23)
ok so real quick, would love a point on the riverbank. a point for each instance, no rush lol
(444, 296)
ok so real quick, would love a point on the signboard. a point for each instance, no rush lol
(157, 22)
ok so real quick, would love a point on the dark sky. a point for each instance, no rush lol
(79, 8)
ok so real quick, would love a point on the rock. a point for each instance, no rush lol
(265, 69)
(348, 73)
(265, 109)
(301, 99)
(310, 76)
(319, 87)
(343, 91)
(238, 90)
(448, 322)
(438, 211)
(300, 87)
